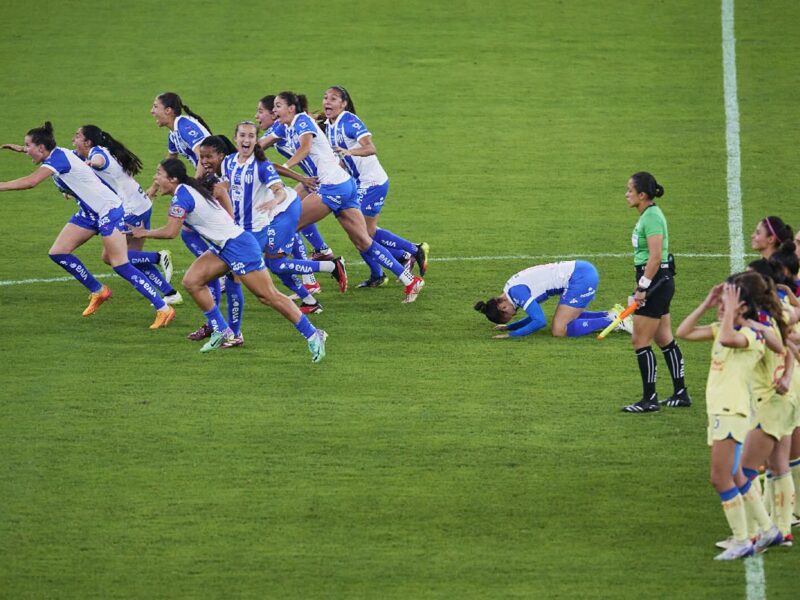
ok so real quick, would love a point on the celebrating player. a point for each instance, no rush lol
(100, 212)
(769, 234)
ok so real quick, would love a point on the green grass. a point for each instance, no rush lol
(421, 458)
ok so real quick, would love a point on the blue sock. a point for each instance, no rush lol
(137, 257)
(295, 286)
(588, 314)
(385, 259)
(73, 265)
(386, 238)
(140, 283)
(580, 326)
(215, 319)
(299, 248)
(314, 237)
(194, 242)
(216, 291)
(154, 275)
(305, 327)
(291, 265)
(233, 291)
(375, 268)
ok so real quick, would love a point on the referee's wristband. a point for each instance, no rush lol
(644, 282)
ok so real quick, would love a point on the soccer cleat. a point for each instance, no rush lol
(408, 262)
(788, 540)
(163, 318)
(217, 339)
(679, 400)
(316, 345)
(308, 309)
(165, 264)
(96, 299)
(312, 288)
(413, 289)
(421, 257)
(205, 331)
(643, 406)
(234, 342)
(374, 282)
(340, 273)
(795, 521)
(771, 537)
(725, 544)
(322, 254)
(626, 324)
(736, 550)
(174, 298)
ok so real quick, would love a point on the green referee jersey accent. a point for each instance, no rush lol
(651, 222)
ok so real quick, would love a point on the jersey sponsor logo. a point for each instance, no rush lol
(177, 211)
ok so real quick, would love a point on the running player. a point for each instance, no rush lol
(352, 142)
(575, 281)
(230, 248)
(100, 212)
(337, 190)
(117, 166)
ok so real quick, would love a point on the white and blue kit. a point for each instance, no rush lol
(574, 281)
(138, 207)
(235, 246)
(278, 131)
(346, 131)
(186, 133)
(337, 189)
(99, 207)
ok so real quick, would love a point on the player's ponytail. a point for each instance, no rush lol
(300, 102)
(490, 309)
(130, 163)
(175, 169)
(173, 101)
(43, 135)
(645, 183)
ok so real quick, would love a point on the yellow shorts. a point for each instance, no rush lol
(721, 427)
(776, 416)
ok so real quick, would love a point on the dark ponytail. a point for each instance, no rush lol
(175, 169)
(220, 143)
(129, 161)
(43, 135)
(759, 293)
(645, 183)
(173, 101)
(489, 308)
(299, 101)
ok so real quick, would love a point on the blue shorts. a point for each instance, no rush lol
(372, 198)
(142, 220)
(241, 254)
(339, 197)
(282, 230)
(113, 220)
(582, 286)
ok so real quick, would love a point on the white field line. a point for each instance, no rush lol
(732, 138)
(533, 257)
(756, 579)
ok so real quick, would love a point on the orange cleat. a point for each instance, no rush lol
(96, 299)
(163, 318)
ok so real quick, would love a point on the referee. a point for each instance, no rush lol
(655, 286)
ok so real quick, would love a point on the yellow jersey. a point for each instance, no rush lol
(730, 374)
(769, 368)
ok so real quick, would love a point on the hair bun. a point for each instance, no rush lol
(480, 306)
(659, 190)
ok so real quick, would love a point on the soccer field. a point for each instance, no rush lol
(421, 458)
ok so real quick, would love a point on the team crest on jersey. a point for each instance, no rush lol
(192, 133)
(248, 178)
(302, 124)
(356, 126)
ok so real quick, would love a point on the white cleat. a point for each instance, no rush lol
(165, 264)
(174, 299)
(736, 551)
(626, 324)
(771, 537)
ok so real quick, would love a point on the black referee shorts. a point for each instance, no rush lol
(659, 299)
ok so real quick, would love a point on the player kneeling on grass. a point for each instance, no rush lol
(739, 345)
(231, 248)
(575, 281)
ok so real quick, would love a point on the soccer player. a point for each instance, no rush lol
(737, 349)
(769, 234)
(274, 134)
(231, 248)
(655, 282)
(574, 281)
(352, 142)
(116, 166)
(337, 190)
(100, 212)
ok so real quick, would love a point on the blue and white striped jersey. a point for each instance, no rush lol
(206, 217)
(131, 193)
(249, 188)
(535, 284)
(321, 159)
(345, 132)
(186, 134)
(277, 131)
(72, 175)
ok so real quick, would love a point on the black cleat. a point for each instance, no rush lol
(374, 282)
(643, 406)
(679, 400)
(340, 273)
(422, 257)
